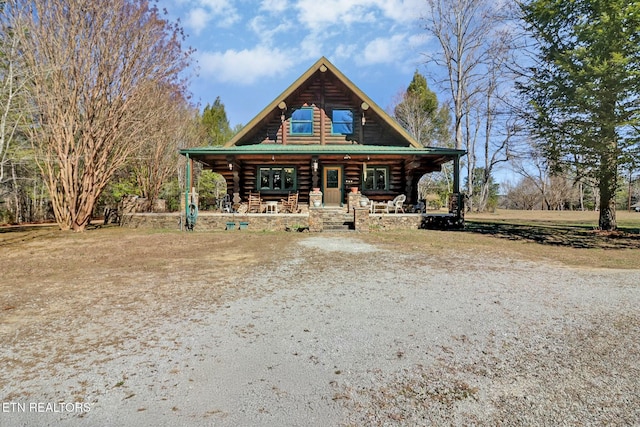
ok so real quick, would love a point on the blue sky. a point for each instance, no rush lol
(249, 51)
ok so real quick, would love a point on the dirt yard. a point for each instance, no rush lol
(126, 327)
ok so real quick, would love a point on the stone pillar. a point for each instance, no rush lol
(361, 218)
(315, 196)
(316, 223)
(353, 200)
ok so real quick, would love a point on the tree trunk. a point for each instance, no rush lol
(608, 186)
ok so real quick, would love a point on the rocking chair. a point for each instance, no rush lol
(290, 204)
(254, 203)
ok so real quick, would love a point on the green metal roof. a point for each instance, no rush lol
(313, 149)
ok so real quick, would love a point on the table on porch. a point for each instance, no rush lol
(271, 207)
(379, 207)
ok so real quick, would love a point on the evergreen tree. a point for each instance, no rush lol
(420, 114)
(584, 87)
(214, 119)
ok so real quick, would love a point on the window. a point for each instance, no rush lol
(376, 178)
(276, 178)
(342, 122)
(302, 121)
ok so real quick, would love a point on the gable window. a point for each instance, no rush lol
(276, 178)
(376, 178)
(342, 122)
(302, 121)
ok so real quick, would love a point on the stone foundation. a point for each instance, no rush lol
(217, 221)
(395, 221)
(312, 220)
(361, 219)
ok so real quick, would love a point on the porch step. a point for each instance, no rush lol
(337, 220)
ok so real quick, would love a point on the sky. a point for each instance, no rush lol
(250, 51)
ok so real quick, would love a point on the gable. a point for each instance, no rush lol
(315, 110)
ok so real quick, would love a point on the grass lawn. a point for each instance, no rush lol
(570, 237)
(627, 221)
(563, 237)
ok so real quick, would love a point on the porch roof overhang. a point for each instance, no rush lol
(435, 154)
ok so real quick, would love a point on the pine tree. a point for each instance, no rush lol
(216, 124)
(584, 87)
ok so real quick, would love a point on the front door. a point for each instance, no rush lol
(332, 183)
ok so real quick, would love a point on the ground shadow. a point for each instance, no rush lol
(10, 234)
(575, 236)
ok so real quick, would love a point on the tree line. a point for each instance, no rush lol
(94, 105)
(550, 88)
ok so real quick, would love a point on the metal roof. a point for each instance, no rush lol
(314, 149)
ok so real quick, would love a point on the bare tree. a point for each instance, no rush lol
(500, 121)
(524, 195)
(177, 127)
(13, 82)
(473, 45)
(95, 66)
(556, 189)
(462, 29)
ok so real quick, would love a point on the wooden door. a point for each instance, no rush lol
(332, 183)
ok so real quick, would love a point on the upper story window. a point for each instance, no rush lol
(302, 121)
(342, 122)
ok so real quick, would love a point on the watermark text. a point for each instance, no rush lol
(45, 407)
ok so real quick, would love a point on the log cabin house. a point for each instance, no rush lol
(323, 133)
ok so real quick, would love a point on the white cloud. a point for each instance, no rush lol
(384, 50)
(320, 14)
(198, 19)
(403, 11)
(418, 40)
(208, 12)
(274, 6)
(244, 67)
(344, 51)
(267, 29)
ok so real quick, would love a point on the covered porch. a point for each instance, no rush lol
(338, 180)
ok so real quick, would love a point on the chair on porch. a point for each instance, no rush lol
(254, 203)
(224, 204)
(396, 203)
(290, 204)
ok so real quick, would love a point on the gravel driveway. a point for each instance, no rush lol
(342, 332)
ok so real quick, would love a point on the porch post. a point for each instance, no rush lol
(187, 185)
(315, 166)
(456, 205)
(235, 177)
(456, 174)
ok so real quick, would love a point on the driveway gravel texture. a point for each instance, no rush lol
(336, 331)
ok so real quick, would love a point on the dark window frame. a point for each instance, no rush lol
(271, 178)
(371, 170)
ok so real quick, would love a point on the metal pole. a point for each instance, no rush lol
(187, 189)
